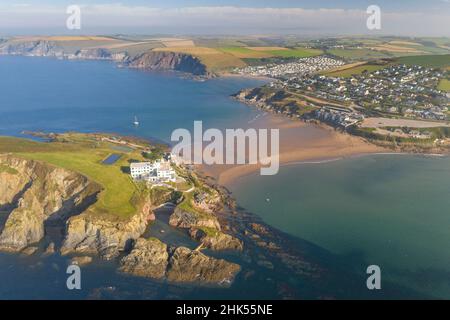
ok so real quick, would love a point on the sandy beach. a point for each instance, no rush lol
(299, 142)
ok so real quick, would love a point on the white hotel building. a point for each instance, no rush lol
(153, 172)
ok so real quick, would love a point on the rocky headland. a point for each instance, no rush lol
(150, 60)
(160, 60)
(36, 197)
(33, 194)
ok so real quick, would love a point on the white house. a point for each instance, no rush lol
(159, 171)
(140, 170)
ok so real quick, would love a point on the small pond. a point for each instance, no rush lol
(112, 159)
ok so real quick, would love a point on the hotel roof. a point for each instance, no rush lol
(140, 164)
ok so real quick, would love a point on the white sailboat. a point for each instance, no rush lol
(136, 122)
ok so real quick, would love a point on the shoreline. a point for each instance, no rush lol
(299, 142)
(232, 175)
(242, 76)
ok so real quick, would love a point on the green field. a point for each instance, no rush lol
(444, 85)
(85, 156)
(430, 61)
(295, 53)
(347, 73)
(243, 52)
(357, 54)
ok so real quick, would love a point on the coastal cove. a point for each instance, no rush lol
(354, 200)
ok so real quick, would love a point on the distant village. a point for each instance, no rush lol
(408, 91)
(398, 91)
(386, 101)
(302, 66)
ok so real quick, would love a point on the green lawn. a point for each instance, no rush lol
(82, 157)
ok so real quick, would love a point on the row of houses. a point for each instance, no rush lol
(301, 66)
(401, 89)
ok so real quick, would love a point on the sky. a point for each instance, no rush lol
(299, 17)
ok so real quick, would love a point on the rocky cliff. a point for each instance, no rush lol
(151, 60)
(44, 206)
(99, 54)
(105, 235)
(33, 193)
(31, 48)
(151, 258)
(159, 60)
(43, 48)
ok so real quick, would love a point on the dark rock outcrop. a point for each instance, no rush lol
(185, 219)
(104, 235)
(216, 240)
(161, 60)
(186, 265)
(149, 258)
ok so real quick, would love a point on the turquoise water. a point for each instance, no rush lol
(388, 210)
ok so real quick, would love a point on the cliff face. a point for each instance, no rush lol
(42, 48)
(104, 235)
(159, 60)
(31, 48)
(99, 54)
(33, 193)
(40, 203)
(152, 60)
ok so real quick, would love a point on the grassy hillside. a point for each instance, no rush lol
(214, 59)
(431, 61)
(83, 154)
(295, 53)
(444, 85)
(357, 54)
(346, 73)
